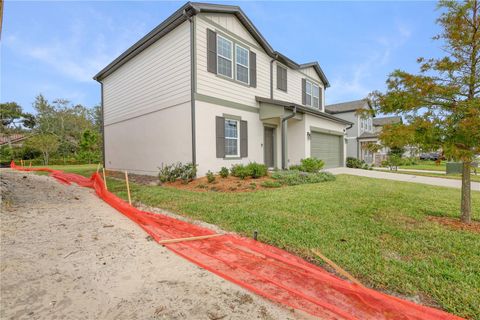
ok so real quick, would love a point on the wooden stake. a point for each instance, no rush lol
(189, 238)
(128, 188)
(98, 167)
(30, 164)
(104, 179)
(336, 267)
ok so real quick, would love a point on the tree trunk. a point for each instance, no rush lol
(466, 194)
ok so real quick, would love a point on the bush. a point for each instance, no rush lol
(271, 184)
(355, 163)
(295, 177)
(173, 172)
(308, 165)
(210, 177)
(224, 172)
(253, 169)
(256, 170)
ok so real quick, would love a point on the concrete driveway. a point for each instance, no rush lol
(442, 182)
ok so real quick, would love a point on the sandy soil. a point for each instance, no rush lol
(65, 254)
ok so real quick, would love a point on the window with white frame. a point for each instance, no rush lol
(312, 95)
(232, 138)
(224, 56)
(242, 63)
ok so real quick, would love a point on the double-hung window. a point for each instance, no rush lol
(232, 138)
(242, 63)
(312, 95)
(225, 56)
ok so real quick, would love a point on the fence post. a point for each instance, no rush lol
(128, 188)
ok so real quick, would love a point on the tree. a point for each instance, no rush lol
(441, 103)
(13, 118)
(45, 143)
(89, 145)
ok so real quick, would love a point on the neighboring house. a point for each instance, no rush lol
(206, 87)
(12, 140)
(365, 129)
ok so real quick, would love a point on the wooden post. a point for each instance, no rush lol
(128, 188)
(337, 268)
(104, 179)
(30, 164)
(98, 167)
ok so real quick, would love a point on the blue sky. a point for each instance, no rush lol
(55, 48)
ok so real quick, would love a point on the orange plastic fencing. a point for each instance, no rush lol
(268, 271)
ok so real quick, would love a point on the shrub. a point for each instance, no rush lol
(210, 177)
(256, 170)
(224, 172)
(354, 163)
(239, 171)
(271, 184)
(296, 167)
(173, 172)
(312, 164)
(294, 177)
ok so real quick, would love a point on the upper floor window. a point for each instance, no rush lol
(281, 78)
(312, 95)
(242, 63)
(224, 56)
(366, 124)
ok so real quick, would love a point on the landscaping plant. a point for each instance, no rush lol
(295, 177)
(224, 172)
(170, 173)
(210, 177)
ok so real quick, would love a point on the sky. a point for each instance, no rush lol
(55, 48)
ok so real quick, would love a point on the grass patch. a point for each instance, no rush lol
(427, 165)
(378, 230)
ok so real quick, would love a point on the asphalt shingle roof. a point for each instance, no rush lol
(386, 120)
(347, 106)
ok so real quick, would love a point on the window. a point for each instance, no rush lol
(281, 78)
(224, 56)
(232, 139)
(241, 59)
(312, 95)
(316, 96)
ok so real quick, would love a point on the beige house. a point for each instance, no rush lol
(206, 87)
(365, 129)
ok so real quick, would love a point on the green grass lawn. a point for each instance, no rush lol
(427, 165)
(378, 230)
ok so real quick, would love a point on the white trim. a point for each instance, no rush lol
(226, 58)
(312, 85)
(245, 66)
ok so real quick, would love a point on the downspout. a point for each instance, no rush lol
(271, 78)
(193, 82)
(284, 137)
(103, 124)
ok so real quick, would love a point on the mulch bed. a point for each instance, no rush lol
(456, 224)
(229, 184)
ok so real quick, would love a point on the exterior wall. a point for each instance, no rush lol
(221, 87)
(352, 147)
(294, 84)
(156, 78)
(140, 145)
(296, 141)
(146, 104)
(206, 140)
(311, 121)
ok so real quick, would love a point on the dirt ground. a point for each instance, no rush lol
(65, 254)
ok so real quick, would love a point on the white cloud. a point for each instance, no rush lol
(83, 49)
(358, 83)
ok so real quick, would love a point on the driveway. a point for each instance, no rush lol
(66, 254)
(441, 182)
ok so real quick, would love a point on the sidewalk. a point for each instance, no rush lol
(410, 170)
(442, 182)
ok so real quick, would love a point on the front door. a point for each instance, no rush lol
(268, 145)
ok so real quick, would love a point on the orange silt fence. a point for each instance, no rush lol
(263, 269)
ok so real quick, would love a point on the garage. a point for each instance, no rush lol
(327, 147)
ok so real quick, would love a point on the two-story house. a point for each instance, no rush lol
(206, 87)
(365, 129)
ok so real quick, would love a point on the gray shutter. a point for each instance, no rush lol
(285, 72)
(243, 139)
(304, 91)
(320, 100)
(211, 51)
(253, 69)
(279, 77)
(220, 136)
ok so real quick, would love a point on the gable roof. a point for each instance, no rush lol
(348, 106)
(387, 120)
(183, 14)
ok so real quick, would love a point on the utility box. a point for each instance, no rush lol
(454, 167)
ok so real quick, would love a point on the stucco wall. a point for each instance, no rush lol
(142, 144)
(206, 140)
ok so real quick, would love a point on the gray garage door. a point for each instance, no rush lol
(328, 148)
